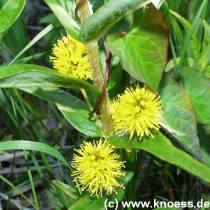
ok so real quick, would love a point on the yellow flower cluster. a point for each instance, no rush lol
(98, 168)
(70, 58)
(138, 111)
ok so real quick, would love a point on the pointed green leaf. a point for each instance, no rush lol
(204, 59)
(197, 87)
(162, 148)
(189, 30)
(106, 16)
(29, 75)
(10, 12)
(67, 189)
(32, 146)
(72, 108)
(143, 51)
(179, 117)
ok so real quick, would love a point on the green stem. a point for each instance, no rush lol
(93, 51)
(87, 100)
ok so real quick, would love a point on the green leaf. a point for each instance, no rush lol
(198, 88)
(204, 59)
(65, 19)
(29, 75)
(206, 36)
(88, 202)
(162, 148)
(33, 41)
(189, 30)
(67, 189)
(73, 109)
(105, 17)
(179, 117)
(32, 146)
(16, 36)
(204, 136)
(10, 12)
(174, 61)
(143, 51)
(207, 72)
(80, 120)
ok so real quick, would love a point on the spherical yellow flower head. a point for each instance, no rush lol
(98, 168)
(137, 111)
(70, 58)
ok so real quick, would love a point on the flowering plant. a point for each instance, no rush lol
(129, 102)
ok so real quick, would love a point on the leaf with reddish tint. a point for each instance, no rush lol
(143, 51)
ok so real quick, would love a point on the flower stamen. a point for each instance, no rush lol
(137, 111)
(98, 168)
(69, 57)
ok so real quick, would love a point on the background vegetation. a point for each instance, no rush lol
(43, 115)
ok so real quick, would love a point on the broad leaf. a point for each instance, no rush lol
(73, 109)
(9, 13)
(29, 75)
(106, 16)
(198, 88)
(179, 117)
(33, 146)
(82, 122)
(143, 51)
(162, 148)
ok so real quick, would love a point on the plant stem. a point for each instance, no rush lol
(87, 100)
(84, 11)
